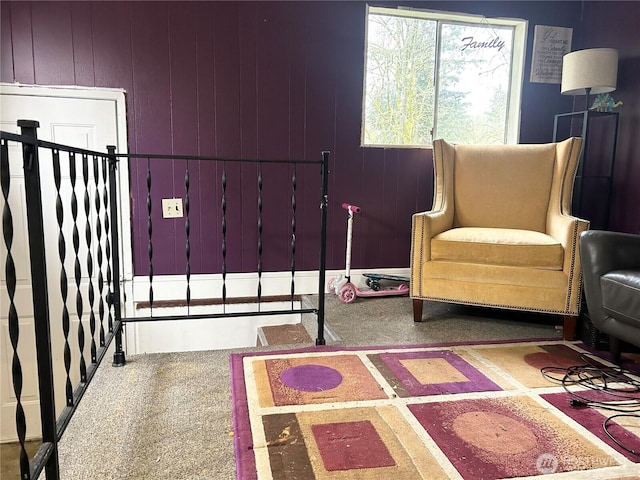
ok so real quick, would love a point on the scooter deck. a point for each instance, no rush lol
(383, 276)
(383, 292)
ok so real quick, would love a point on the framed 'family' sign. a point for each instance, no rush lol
(550, 44)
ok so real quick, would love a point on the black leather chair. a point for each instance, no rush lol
(611, 269)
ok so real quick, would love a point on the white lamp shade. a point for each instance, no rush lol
(596, 68)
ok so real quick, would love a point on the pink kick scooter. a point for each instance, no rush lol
(347, 291)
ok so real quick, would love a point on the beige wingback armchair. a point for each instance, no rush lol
(500, 233)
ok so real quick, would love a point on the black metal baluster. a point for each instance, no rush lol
(87, 235)
(293, 233)
(259, 234)
(77, 268)
(96, 173)
(187, 229)
(224, 237)
(150, 236)
(14, 326)
(107, 246)
(64, 282)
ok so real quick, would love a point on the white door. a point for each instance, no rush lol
(90, 119)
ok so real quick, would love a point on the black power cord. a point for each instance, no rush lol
(605, 425)
(615, 382)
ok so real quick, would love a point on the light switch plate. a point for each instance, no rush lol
(172, 208)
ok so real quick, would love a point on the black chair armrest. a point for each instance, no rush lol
(602, 252)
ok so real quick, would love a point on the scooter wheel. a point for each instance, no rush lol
(347, 293)
(331, 286)
(375, 286)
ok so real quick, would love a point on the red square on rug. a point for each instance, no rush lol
(351, 446)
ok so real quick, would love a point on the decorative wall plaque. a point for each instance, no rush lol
(550, 44)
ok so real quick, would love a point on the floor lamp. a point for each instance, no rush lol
(591, 72)
(586, 72)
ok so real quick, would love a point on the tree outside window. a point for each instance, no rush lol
(427, 77)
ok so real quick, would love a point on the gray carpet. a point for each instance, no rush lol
(168, 416)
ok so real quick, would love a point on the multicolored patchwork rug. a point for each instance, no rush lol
(475, 412)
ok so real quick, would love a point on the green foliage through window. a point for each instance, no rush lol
(427, 77)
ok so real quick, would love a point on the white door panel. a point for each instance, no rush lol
(86, 119)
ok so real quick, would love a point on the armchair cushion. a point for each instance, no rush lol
(490, 182)
(621, 295)
(498, 246)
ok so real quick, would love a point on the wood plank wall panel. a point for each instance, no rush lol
(226, 79)
(247, 35)
(152, 110)
(227, 121)
(320, 81)
(53, 44)
(82, 40)
(372, 183)
(111, 41)
(6, 47)
(252, 79)
(110, 62)
(208, 174)
(272, 87)
(414, 193)
(625, 214)
(350, 176)
(308, 197)
(184, 110)
(22, 43)
(389, 199)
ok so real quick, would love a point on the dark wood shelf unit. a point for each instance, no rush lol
(593, 186)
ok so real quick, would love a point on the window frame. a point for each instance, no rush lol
(516, 81)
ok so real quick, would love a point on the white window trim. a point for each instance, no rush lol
(512, 134)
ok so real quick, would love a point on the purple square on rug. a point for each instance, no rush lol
(430, 373)
(351, 446)
(593, 420)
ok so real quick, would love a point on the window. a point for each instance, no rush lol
(441, 75)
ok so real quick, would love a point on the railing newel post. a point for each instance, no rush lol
(118, 355)
(40, 296)
(323, 246)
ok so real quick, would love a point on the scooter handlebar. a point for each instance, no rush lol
(353, 208)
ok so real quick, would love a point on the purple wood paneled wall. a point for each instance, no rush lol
(622, 33)
(259, 80)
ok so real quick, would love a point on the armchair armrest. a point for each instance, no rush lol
(603, 252)
(567, 230)
(424, 227)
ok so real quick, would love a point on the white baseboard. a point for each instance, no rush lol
(219, 333)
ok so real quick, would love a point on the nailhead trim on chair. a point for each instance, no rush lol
(573, 261)
(576, 234)
(575, 241)
(495, 305)
(421, 255)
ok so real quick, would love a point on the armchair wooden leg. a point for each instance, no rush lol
(615, 349)
(569, 328)
(417, 310)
